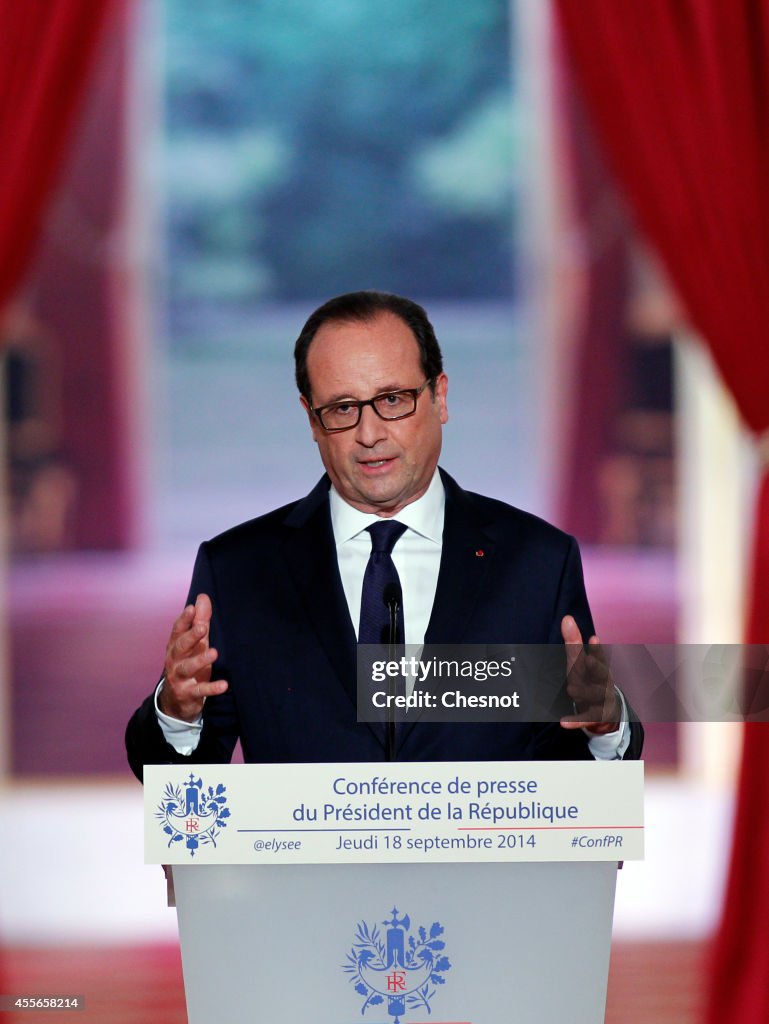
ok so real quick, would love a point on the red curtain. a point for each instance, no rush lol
(679, 93)
(46, 48)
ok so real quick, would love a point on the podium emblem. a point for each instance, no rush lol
(193, 813)
(396, 969)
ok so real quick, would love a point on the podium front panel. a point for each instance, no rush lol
(396, 943)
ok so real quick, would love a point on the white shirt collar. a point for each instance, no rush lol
(424, 516)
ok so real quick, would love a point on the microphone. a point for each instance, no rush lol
(392, 596)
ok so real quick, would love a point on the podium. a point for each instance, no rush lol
(442, 937)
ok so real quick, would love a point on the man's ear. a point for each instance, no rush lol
(311, 417)
(441, 396)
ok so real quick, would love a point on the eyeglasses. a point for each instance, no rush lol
(390, 405)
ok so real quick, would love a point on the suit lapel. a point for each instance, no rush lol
(466, 554)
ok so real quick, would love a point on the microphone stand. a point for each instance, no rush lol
(393, 604)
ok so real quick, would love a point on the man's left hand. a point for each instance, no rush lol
(589, 683)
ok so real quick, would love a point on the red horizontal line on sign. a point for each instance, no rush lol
(542, 828)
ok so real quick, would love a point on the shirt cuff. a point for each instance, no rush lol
(612, 746)
(183, 736)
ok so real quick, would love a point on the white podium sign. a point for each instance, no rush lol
(325, 892)
(413, 812)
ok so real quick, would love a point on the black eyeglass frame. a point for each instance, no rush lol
(359, 405)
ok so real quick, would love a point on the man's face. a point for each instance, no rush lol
(380, 465)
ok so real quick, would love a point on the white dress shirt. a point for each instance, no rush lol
(417, 557)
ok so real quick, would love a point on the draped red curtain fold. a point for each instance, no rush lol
(679, 94)
(46, 48)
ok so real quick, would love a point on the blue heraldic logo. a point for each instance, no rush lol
(396, 968)
(193, 814)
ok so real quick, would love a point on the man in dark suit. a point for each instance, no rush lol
(265, 650)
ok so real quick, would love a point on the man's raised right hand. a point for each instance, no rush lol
(187, 677)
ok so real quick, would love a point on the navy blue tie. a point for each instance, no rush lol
(380, 571)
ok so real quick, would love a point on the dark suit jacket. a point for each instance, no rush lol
(287, 646)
